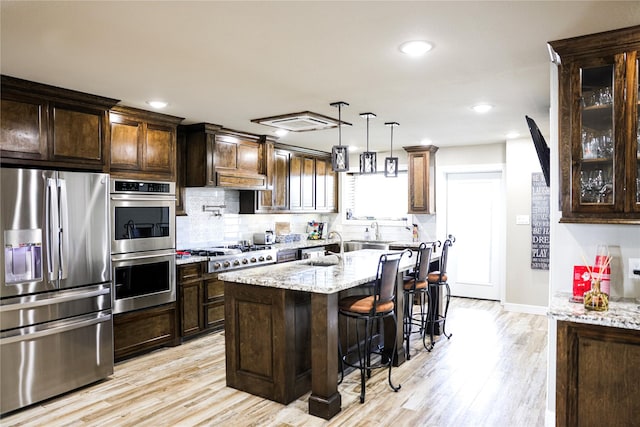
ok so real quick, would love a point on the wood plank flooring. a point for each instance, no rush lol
(492, 372)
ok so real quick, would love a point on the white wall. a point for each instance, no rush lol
(524, 286)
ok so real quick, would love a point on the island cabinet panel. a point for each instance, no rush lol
(144, 330)
(267, 338)
(597, 375)
(47, 126)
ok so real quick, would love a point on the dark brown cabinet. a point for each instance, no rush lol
(201, 299)
(53, 127)
(597, 375)
(299, 180)
(598, 127)
(224, 158)
(422, 169)
(141, 331)
(191, 296)
(143, 144)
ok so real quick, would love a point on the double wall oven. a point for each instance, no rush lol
(142, 244)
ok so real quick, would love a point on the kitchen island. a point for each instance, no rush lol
(281, 326)
(597, 360)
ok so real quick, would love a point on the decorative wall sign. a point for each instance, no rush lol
(539, 222)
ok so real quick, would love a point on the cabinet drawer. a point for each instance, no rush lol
(215, 289)
(215, 315)
(189, 272)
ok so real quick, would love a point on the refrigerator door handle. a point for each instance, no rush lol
(81, 294)
(51, 228)
(64, 227)
(67, 325)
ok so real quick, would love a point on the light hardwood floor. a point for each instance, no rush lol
(492, 372)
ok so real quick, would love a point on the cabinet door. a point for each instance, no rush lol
(23, 128)
(308, 183)
(421, 182)
(160, 150)
(597, 135)
(191, 308)
(77, 134)
(325, 186)
(277, 198)
(126, 143)
(295, 182)
(633, 154)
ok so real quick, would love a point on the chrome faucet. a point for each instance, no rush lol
(331, 235)
(375, 225)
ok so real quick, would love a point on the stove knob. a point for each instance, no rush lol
(253, 259)
(216, 265)
(245, 261)
(269, 257)
(226, 264)
(236, 262)
(261, 258)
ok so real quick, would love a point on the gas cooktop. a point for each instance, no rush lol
(233, 257)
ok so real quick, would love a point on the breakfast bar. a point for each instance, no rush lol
(281, 326)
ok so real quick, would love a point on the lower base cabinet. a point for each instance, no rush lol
(200, 300)
(597, 375)
(144, 330)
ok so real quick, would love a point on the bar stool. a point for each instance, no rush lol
(367, 310)
(436, 281)
(415, 285)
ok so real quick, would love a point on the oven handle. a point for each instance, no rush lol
(130, 257)
(142, 198)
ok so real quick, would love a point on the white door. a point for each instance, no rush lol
(475, 216)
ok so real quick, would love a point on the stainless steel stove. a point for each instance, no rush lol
(234, 257)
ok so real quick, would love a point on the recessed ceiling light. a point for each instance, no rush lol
(157, 104)
(281, 132)
(512, 135)
(415, 47)
(426, 141)
(482, 108)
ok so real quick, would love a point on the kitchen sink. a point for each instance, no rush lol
(356, 245)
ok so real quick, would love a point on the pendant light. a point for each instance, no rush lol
(391, 163)
(339, 153)
(368, 158)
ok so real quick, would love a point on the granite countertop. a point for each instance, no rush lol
(358, 267)
(623, 312)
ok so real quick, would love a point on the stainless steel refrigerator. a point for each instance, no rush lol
(56, 327)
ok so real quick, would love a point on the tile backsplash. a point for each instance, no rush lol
(200, 228)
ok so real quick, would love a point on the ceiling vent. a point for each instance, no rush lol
(300, 122)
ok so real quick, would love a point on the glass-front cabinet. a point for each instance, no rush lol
(598, 126)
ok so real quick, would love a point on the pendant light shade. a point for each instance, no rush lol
(368, 158)
(391, 163)
(339, 153)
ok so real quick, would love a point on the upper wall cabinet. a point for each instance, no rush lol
(422, 181)
(53, 127)
(598, 127)
(224, 158)
(298, 180)
(143, 144)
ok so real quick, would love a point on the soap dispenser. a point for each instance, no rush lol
(367, 234)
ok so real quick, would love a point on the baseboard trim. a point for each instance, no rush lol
(529, 309)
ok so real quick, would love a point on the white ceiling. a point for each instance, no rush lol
(230, 62)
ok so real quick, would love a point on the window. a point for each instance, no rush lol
(373, 196)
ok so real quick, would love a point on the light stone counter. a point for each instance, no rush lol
(358, 267)
(622, 313)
